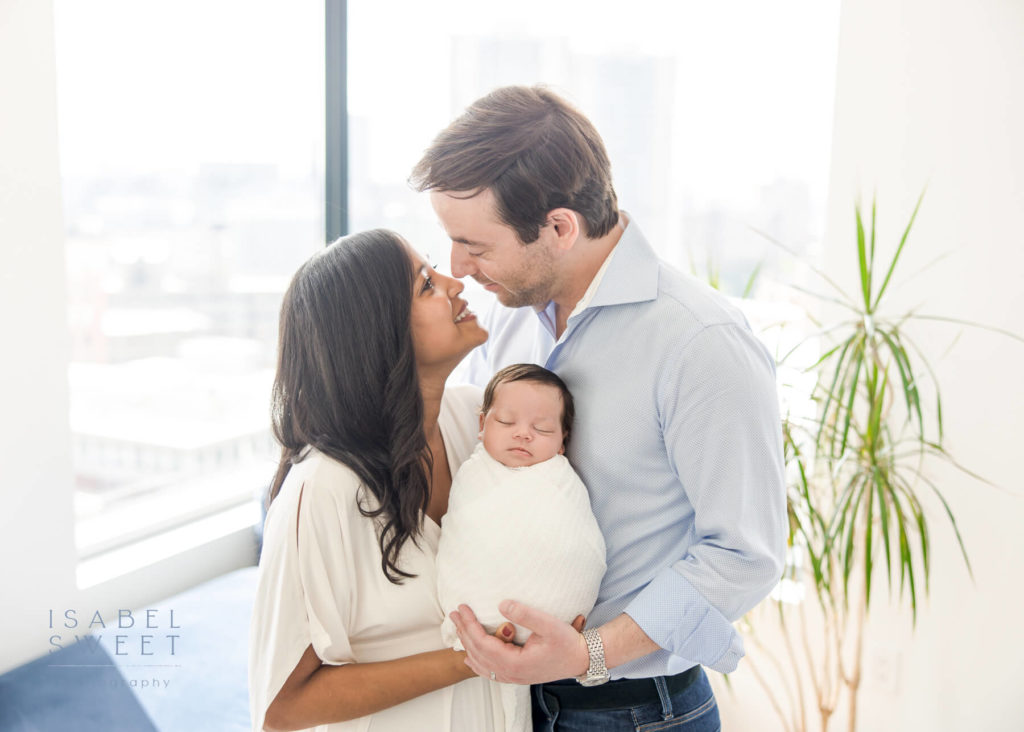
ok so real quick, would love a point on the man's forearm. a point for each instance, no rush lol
(624, 641)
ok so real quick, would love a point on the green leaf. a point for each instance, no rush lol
(904, 338)
(871, 261)
(852, 396)
(824, 357)
(896, 256)
(971, 324)
(862, 260)
(825, 409)
(851, 530)
(869, 524)
(803, 260)
(904, 544)
(749, 287)
(910, 392)
(877, 406)
(882, 486)
(952, 521)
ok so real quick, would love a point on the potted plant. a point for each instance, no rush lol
(859, 475)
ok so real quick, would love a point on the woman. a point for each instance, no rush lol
(346, 625)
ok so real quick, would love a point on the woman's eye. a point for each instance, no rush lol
(428, 283)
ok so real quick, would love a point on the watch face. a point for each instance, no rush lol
(594, 680)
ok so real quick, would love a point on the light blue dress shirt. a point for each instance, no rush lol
(678, 439)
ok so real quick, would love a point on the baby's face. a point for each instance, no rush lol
(524, 424)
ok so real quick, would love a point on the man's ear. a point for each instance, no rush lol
(566, 227)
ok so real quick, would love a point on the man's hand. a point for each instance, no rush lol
(555, 650)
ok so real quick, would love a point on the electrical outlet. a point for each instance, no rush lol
(884, 669)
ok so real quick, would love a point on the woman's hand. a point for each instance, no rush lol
(507, 631)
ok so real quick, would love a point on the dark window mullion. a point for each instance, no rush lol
(336, 136)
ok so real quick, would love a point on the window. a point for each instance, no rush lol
(192, 148)
(717, 117)
(192, 151)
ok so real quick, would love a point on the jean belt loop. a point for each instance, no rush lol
(664, 696)
(548, 703)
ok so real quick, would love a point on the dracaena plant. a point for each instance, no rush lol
(859, 484)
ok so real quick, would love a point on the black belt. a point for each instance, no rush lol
(616, 694)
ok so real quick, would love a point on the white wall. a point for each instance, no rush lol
(932, 93)
(36, 525)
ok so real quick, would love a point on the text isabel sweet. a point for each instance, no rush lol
(144, 644)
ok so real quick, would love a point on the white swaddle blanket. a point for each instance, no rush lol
(525, 534)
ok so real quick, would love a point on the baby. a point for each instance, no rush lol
(517, 498)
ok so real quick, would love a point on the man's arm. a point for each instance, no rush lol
(719, 412)
(556, 650)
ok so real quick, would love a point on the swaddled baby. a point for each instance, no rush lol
(519, 524)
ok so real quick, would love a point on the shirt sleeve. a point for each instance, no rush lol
(718, 407)
(326, 556)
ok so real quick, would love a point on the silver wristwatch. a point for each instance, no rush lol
(598, 672)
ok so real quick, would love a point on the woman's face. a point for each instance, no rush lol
(444, 330)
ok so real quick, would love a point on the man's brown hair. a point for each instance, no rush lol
(538, 375)
(534, 151)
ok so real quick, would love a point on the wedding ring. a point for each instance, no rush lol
(493, 677)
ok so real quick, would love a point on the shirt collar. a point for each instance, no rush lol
(634, 278)
(594, 285)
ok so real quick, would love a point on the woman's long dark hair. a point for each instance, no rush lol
(346, 381)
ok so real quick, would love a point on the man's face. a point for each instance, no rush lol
(491, 253)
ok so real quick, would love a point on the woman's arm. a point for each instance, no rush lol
(317, 693)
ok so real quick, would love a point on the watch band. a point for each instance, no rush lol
(597, 673)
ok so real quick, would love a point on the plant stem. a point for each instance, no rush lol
(771, 697)
(796, 673)
(853, 681)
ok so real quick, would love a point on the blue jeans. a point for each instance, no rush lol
(693, 709)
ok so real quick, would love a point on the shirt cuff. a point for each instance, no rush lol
(677, 617)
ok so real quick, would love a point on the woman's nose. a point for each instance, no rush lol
(453, 286)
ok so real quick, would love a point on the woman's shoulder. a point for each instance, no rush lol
(322, 479)
(460, 420)
(463, 398)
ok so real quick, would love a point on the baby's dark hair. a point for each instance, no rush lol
(536, 374)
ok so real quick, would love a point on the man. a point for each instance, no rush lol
(677, 432)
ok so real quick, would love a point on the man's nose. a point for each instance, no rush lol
(462, 264)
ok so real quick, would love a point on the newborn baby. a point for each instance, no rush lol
(519, 524)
